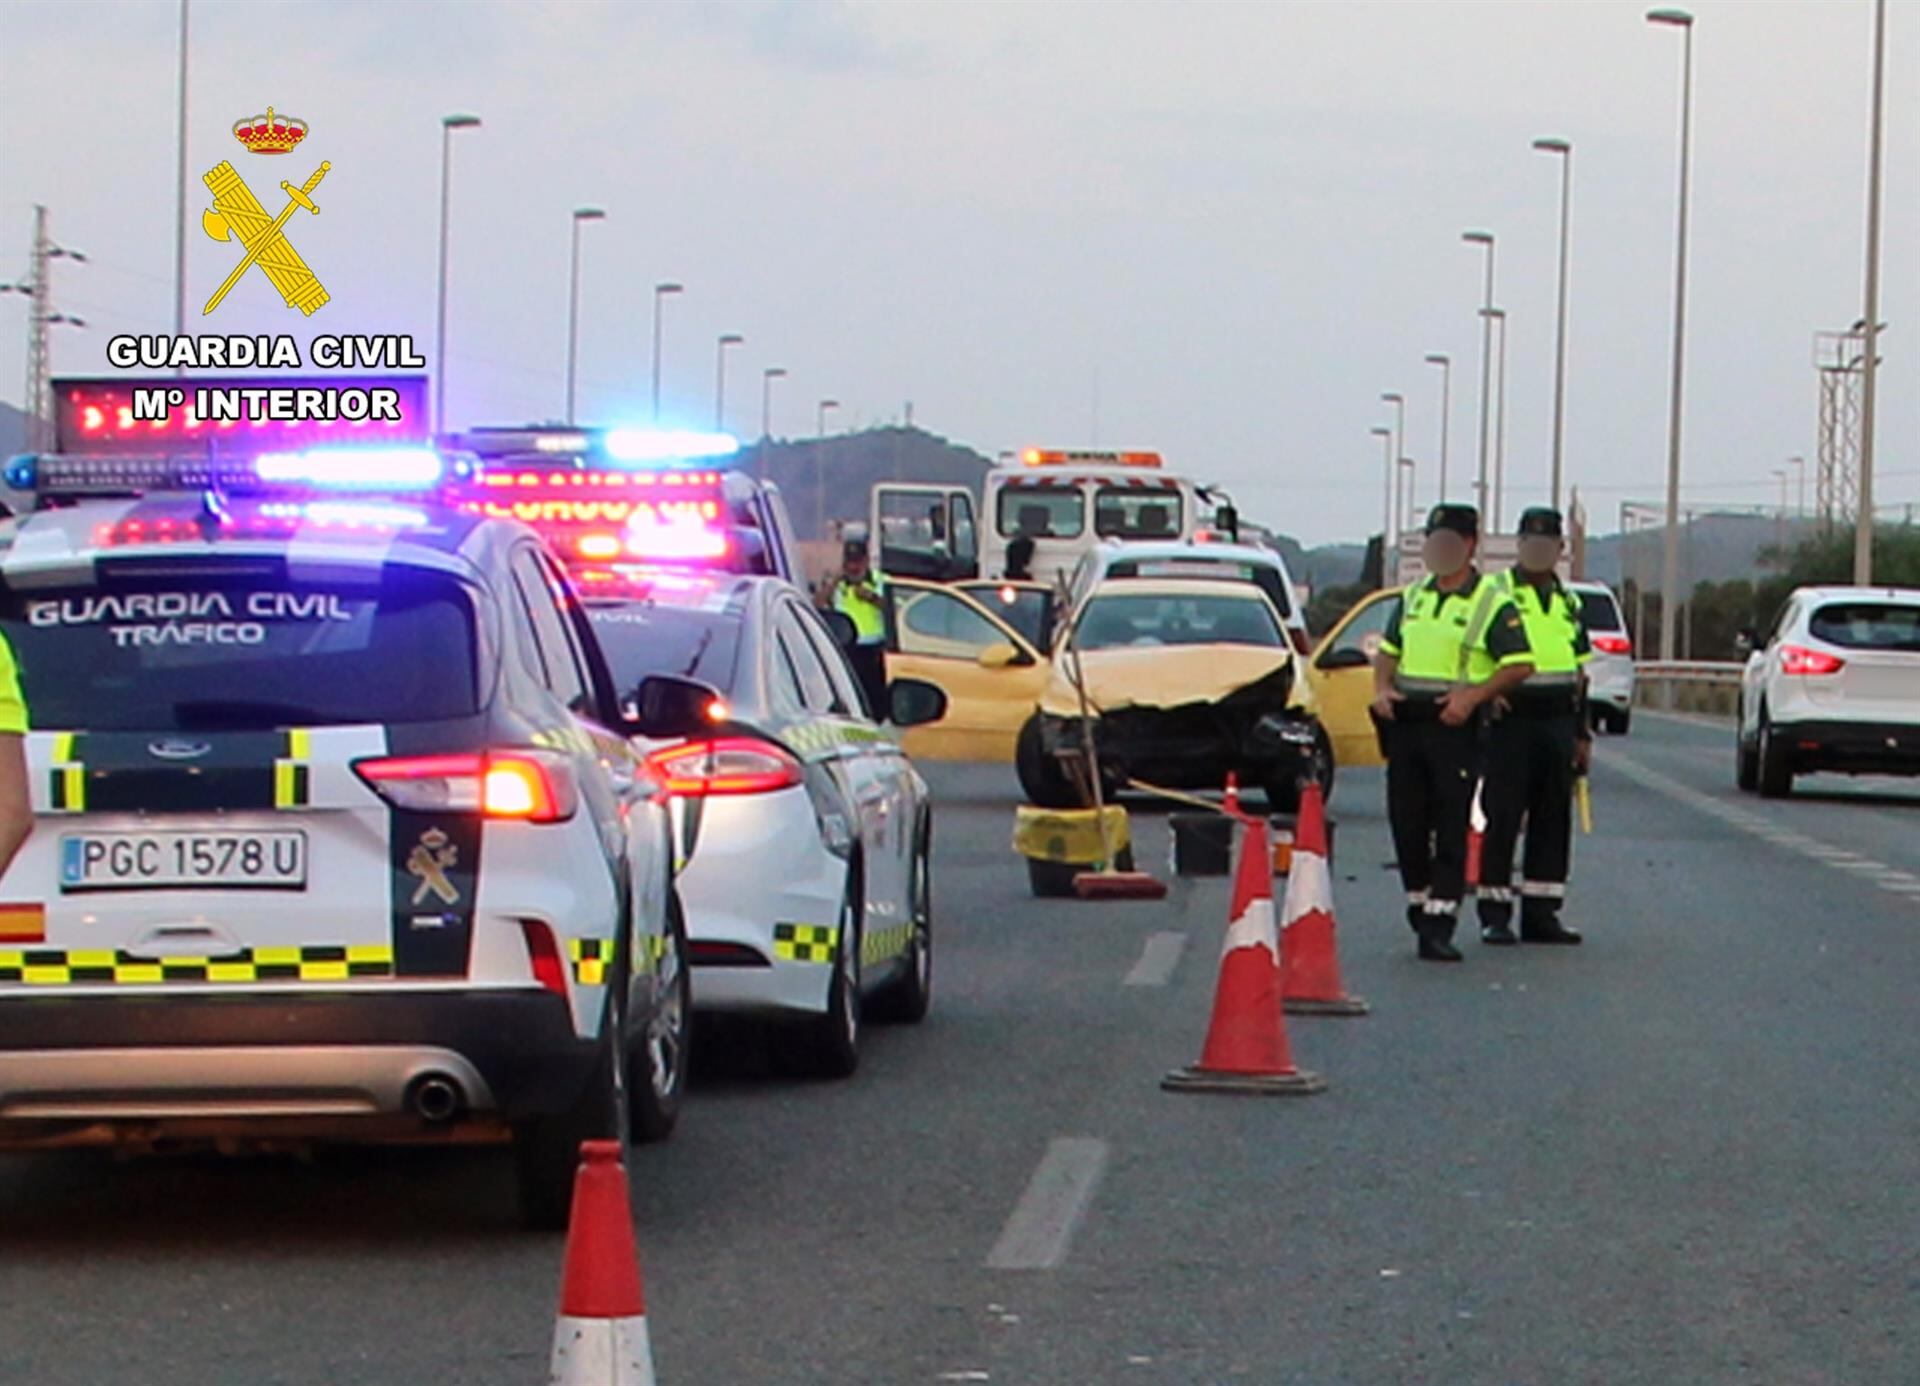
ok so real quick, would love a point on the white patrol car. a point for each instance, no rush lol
(339, 833)
(804, 833)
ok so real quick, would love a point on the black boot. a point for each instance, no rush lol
(1496, 929)
(1436, 943)
(1544, 926)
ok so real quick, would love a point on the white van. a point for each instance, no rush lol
(1067, 503)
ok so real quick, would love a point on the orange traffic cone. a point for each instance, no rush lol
(1309, 960)
(1246, 1049)
(600, 1336)
(1476, 837)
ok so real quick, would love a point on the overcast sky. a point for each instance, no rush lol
(1220, 230)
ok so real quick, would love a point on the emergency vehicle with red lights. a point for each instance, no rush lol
(341, 832)
(618, 503)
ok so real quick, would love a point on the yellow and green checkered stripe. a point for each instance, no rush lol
(590, 958)
(59, 967)
(807, 943)
(292, 772)
(67, 777)
(877, 945)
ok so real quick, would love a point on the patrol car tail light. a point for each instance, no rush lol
(1613, 644)
(1798, 659)
(528, 785)
(724, 765)
(544, 954)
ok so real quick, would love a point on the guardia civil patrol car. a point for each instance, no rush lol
(340, 835)
(803, 832)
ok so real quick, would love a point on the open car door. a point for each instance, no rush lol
(1341, 675)
(992, 675)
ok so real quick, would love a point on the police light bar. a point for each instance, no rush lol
(532, 440)
(643, 445)
(353, 469)
(1053, 457)
(363, 470)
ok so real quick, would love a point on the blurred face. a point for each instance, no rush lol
(1445, 552)
(856, 567)
(1539, 553)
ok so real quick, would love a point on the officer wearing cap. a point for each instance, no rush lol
(1536, 746)
(1453, 644)
(859, 595)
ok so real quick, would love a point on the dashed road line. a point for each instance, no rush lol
(1889, 878)
(1040, 1230)
(1158, 959)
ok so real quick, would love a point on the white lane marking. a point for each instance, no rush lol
(1043, 1222)
(1888, 878)
(1158, 959)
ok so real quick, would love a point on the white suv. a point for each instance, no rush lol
(1610, 672)
(1834, 686)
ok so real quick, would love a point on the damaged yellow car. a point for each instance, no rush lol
(1185, 680)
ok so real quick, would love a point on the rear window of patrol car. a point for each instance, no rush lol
(1861, 625)
(1599, 611)
(639, 640)
(201, 650)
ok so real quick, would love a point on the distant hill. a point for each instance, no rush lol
(1713, 548)
(829, 479)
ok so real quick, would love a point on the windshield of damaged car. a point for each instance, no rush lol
(1118, 621)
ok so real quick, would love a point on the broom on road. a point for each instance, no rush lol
(1105, 883)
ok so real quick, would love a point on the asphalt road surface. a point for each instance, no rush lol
(1683, 1153)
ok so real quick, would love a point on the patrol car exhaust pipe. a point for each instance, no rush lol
(435, 1097)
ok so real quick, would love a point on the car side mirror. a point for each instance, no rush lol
(915, 702)
(1226, 518)
(845, 634)
(998, 656)
(1745, 642)
(664, 706)
(1347, 657)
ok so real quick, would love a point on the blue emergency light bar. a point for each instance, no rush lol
(636, 448)
(366, 471)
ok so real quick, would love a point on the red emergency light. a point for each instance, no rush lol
(95, 417)
(607, 516)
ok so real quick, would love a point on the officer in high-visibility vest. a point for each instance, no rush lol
(860, 595)
(16, 801)
(1453, 644)
(1539, 742)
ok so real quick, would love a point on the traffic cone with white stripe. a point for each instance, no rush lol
(1476, 836)
(1246, 1049)
(600, 1336)
(1309, 959)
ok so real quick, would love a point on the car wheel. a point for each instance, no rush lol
(1776, 770)
(546, 1150)
(1042, 779)
(828, 1045)
(659, 1064)
(906, 1001)
(1746, 763)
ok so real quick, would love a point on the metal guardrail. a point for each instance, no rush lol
(1709, 686)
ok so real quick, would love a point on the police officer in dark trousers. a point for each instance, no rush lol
(1453, 644)
(1539, 741)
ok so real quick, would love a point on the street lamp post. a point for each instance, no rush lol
(1445, 363)
(1484, 239)
(580, 214)
(448, 124)
(660, 295)
(1670, 550)
(1780, 521)
(1405, 499)
(1799, 464)
(1389, 546)
(820, 470)
(825, 406)
(1863, 528)
(1564, 149)
(180, 193)
(1399, 403)
(767, 377)
(1492, 517)
(727, 339)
